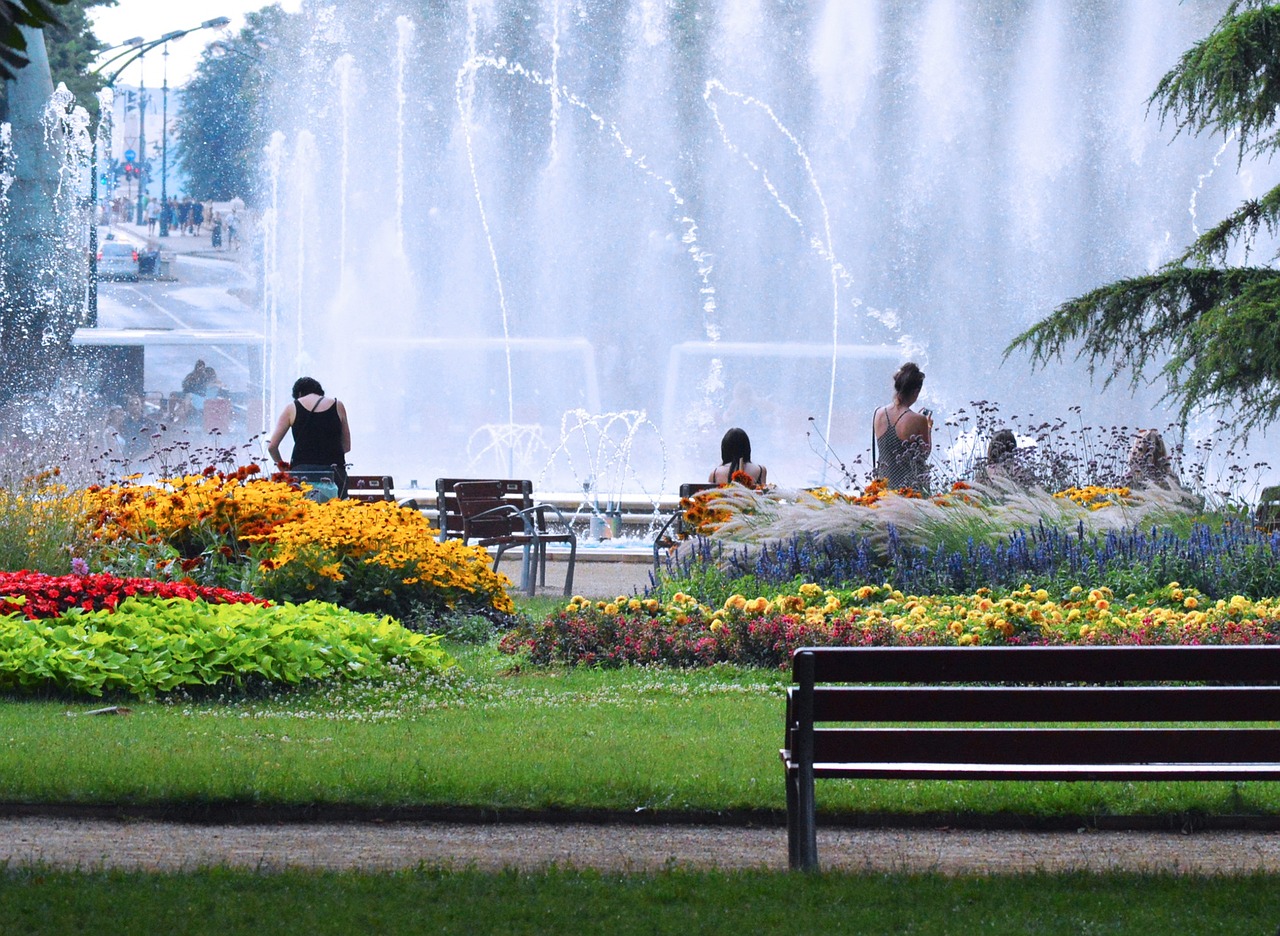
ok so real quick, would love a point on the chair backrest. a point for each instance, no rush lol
(370, 487)
(688, 489)
(518, 493)
(323, 485)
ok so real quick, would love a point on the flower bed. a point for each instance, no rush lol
(764, 631)
(264, 535)
(37, 596)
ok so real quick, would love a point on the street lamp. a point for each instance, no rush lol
(131, 51)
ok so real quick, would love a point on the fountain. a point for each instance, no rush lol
(484, 218)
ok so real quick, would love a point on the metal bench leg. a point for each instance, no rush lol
(793, 820)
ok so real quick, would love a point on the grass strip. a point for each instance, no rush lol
(226, 902)
(493, 738)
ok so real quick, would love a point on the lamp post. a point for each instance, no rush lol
(164, 150)
(131, 51)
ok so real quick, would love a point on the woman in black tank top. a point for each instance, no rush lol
(321, 436)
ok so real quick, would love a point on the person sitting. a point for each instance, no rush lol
(901, 439)
(735, 456)
(321, 436)
(1149, 462)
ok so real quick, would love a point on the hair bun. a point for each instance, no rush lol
(909, 378)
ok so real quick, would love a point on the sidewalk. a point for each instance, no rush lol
(200, 245)
(147, 845)
(595, 575)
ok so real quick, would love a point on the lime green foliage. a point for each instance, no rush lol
(150, 645)
(1215, 324)
(679, 902)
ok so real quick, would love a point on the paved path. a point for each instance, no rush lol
(159, 846)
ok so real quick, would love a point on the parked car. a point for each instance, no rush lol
(117, 260)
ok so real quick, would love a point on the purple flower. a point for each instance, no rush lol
(79, 566)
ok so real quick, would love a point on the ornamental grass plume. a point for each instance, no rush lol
(984, 512)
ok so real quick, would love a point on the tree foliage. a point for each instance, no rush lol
(71, 46)
(36, 14)
(220, 128)
(1208, 328)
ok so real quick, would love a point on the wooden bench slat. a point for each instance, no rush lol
(1240, 664)
(1048, 745)
(901, 770)
(1045, 704)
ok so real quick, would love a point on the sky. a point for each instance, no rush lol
(151, 19)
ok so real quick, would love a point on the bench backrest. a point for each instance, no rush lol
(516, 492)
(370, 487)
(960, 686)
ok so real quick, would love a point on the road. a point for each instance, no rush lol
(202, 293)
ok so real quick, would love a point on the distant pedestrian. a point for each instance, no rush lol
(153, 215)
(184, 215)
(215, 226)
(233, 230)
(197, 216)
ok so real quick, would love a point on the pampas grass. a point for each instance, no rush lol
(982, 513)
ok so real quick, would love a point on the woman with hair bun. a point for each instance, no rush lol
(901, 439)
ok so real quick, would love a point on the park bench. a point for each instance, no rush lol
(673, 530)
(502, 513)
(369, 488)
(925, 702)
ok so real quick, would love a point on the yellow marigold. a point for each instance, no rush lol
(759, 605)
(1190, 603)
(810, 590)
(717, 625)
(735, 603)
(611, 608)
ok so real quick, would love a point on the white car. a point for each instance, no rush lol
(117, 260)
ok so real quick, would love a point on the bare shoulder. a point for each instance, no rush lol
(914, 424)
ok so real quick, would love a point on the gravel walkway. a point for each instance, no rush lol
(161, 846)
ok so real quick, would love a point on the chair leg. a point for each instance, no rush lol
(568, 576)
(528, 573)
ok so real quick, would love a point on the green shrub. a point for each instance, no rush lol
(150, 645)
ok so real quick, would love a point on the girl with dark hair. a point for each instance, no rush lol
(901, 438)
(321, 436)
(735, 456)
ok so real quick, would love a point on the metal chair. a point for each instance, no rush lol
(502, 513)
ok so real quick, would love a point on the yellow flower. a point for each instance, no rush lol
(1190, 603)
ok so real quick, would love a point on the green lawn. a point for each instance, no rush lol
(433, 901)
(492, 737)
